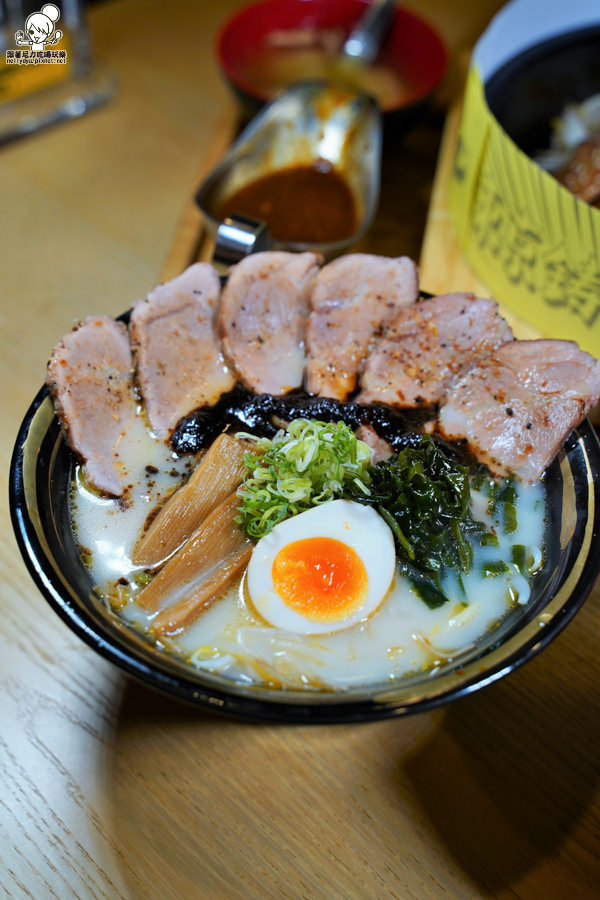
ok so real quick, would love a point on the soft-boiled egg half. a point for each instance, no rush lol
(322, 570)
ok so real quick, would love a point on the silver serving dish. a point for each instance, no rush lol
(306, 122)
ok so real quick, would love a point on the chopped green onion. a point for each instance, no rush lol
(508, 497)
(493, 568)
(306, 465)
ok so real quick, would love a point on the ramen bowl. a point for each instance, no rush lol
(267, 46)
(40, 482)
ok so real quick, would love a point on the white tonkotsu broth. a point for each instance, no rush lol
(401, 637)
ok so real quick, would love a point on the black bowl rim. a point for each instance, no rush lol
(282, 710)
(516, 65)
(499, 83)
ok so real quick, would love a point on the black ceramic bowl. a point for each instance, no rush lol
(40, 479)
(533, 88)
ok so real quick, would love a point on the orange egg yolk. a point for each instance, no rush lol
(320, 578)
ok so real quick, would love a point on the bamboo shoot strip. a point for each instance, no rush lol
(219, 472)
(175, 618)
(201, 568)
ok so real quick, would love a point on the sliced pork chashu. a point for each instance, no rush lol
(518, 406)
(581, 174)
(174, 335)
(353, 301)
(380, 447)
(264, 306)
(90, 378)
(428, 346)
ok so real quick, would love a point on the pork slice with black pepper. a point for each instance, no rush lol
(428, 346)
(581, 174)
(517, 407)
(380, 448)
(264, 306)
(353, 301)
(90, 378)
(177, 350)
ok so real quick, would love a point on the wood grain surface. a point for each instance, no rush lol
(110, 791)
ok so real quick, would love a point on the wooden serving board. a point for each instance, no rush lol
(442, 264)
(401, 219)
(192, 242)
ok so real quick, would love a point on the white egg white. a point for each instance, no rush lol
(356, 526)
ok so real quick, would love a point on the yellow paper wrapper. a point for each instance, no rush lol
(535, 245)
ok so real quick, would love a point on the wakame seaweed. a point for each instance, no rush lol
(424, 497)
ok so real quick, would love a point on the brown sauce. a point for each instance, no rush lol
(301, 204)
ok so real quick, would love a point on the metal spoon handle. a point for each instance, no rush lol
(238, 236)
(366, 37)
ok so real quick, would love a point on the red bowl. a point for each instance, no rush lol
(412, 49)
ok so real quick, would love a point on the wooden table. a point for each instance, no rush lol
(110, 791)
